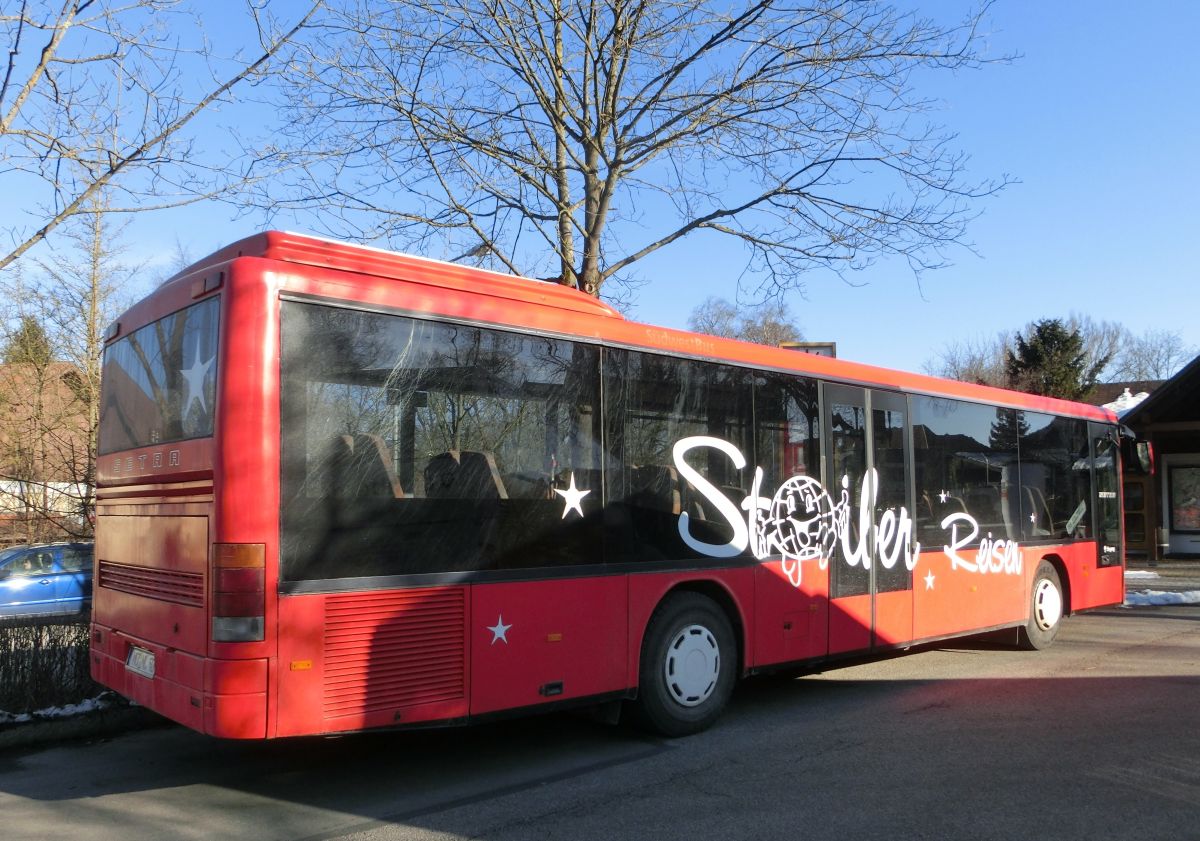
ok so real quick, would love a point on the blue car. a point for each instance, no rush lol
(52, 579)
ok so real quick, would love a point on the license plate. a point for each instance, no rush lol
(140, 661)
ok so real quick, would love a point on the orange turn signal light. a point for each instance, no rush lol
(239, 555)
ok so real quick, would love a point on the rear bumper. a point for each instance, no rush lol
(223, 698)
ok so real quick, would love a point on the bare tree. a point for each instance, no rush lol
(1102, 341)
(984, 360)
(1155, 355)
(769, 323)
(50, 433)
(97, 97)
(572, 138)
(975, 360)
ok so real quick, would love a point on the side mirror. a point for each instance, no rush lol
(1138, 456)
(1145, 456)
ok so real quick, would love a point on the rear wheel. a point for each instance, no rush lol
(688, 666)
(1045, 610)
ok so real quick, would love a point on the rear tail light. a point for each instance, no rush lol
(239, 592)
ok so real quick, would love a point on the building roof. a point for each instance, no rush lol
(1175, 401)
(1104, 393)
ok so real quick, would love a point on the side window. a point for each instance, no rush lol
(966, 466)
(75, 559)
(413, 447)
(653, 403)
(1056, 480)
(787, 435)
(32, 563)
(22, 564)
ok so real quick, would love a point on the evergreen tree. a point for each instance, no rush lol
(29, 343)
(1052, 362)
(1008, 428)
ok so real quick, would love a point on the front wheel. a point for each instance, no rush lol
(688, 666)
(1045, 610)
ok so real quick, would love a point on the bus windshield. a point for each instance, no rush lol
(159, 382)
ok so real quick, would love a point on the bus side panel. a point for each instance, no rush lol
(791, 620)
(893, 618)
(954, 598)
(646, 591)
(1090, 586)
(849, 623)
(534, 642)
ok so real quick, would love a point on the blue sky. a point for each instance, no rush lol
(1098, 119)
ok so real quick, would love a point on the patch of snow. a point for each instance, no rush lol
(86, 706)
(1140, 573)
(1126, 401)
(1157, 597)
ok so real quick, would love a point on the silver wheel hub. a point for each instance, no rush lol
(692, 666)
(1047, 604)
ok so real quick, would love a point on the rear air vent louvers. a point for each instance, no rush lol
(385, 651)
(186, 588)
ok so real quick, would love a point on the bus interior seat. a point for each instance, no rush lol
(983, 503)
(439, 475)
(358, 467)
(1033, 501)
(656, 487)
(478, 476)
(372, 464)
(526, 486)
(464, 474)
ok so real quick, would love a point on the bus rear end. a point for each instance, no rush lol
(179, 616)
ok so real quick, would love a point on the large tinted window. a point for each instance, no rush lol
(966, 463)
(1056, 478)
(787, 429)
(159, 382)
(414, 447)
(655, 402)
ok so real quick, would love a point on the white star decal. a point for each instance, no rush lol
(1033, 518)
(499, 630)
(194, 377)
(572, 496)
(929, 579)
(943, 497)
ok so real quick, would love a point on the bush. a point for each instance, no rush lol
(44, 665)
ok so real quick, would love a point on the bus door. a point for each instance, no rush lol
(868, 458)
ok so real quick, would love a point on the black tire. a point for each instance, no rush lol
(688, 666)
(1046, 609)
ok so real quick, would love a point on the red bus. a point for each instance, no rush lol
(341, 488)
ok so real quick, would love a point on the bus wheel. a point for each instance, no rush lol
(1045, 609)
(688, 666)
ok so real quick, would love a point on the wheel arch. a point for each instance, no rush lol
(1064, 579)
(722, 597)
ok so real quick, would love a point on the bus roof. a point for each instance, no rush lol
(593, 319)
(309, 250)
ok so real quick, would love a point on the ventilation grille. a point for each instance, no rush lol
(391, 650)
(186, 588)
